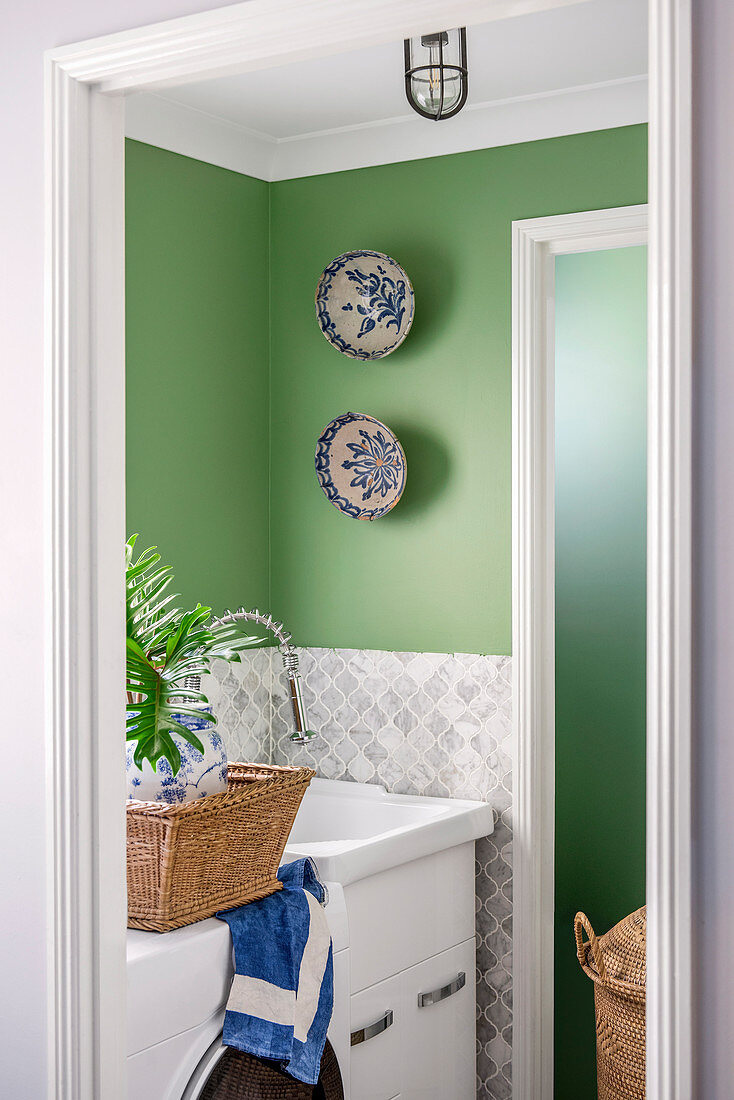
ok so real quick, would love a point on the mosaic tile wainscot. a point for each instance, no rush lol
(419, 723)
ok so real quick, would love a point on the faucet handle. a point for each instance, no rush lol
(300, 734)
(303, 737)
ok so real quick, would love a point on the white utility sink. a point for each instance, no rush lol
(353, 830)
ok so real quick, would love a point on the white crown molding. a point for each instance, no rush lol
(159, 121)
(486, 125)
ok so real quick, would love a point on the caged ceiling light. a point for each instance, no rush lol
(436, 80)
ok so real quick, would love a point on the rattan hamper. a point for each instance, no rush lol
(184, 862)
(615, 963)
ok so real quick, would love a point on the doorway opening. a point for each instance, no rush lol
(86, 479)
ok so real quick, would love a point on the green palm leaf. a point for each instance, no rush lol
(165, 647)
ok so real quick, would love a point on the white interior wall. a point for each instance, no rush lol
(713, 549)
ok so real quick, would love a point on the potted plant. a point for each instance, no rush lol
(174, 752)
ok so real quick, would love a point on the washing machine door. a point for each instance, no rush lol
(227, 1074)
(203, 1072)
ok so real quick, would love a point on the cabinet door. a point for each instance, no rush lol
(431, 905)
(339, 1027)
(376, 1053)
(439, 1026)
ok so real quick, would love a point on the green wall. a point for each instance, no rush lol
(197, 372)
(434, 574)
(600, 623)
(230, 383)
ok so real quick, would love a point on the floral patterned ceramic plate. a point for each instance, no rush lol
(360, 466)
(364, 304)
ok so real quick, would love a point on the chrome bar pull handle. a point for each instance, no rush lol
(371, 1030)
(436, 995)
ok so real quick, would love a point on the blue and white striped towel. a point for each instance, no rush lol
(282, 993)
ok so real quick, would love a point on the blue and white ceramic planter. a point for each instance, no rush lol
(198, 775)
(364, 304)
(360, 466)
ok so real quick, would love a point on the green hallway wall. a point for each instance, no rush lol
(434, 574)
(197, 372)
(601, 496)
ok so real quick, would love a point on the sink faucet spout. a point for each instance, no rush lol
(301, 733)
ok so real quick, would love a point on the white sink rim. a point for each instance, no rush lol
(451, 821)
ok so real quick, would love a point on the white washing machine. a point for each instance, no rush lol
(178, 985)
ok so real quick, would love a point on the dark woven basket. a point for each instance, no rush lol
(616, 964)
(239, 1076)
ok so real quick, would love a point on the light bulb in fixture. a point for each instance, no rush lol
(436, 78)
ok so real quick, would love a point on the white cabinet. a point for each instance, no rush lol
(409, 913)
(414, 1034)
(377, 1035)
(339, 1026)
(407, 931)
(439, 1026)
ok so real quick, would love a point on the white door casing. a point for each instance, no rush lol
(535, 244)
(84, 476)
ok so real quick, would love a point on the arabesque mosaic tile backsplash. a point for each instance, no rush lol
(419, 723)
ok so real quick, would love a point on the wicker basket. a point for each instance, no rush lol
(184, 862)
(616, 965)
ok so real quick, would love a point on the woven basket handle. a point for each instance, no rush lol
(581, 924)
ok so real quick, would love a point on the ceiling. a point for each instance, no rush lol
(590, 43)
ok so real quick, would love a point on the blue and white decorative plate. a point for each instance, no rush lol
(364, 304)
(360, 466)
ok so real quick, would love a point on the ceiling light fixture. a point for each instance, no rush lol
(436, 80)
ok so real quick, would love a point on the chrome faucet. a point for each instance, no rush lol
(301, 733)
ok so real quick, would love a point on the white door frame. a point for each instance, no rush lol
(84, 474)
(535, 245)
